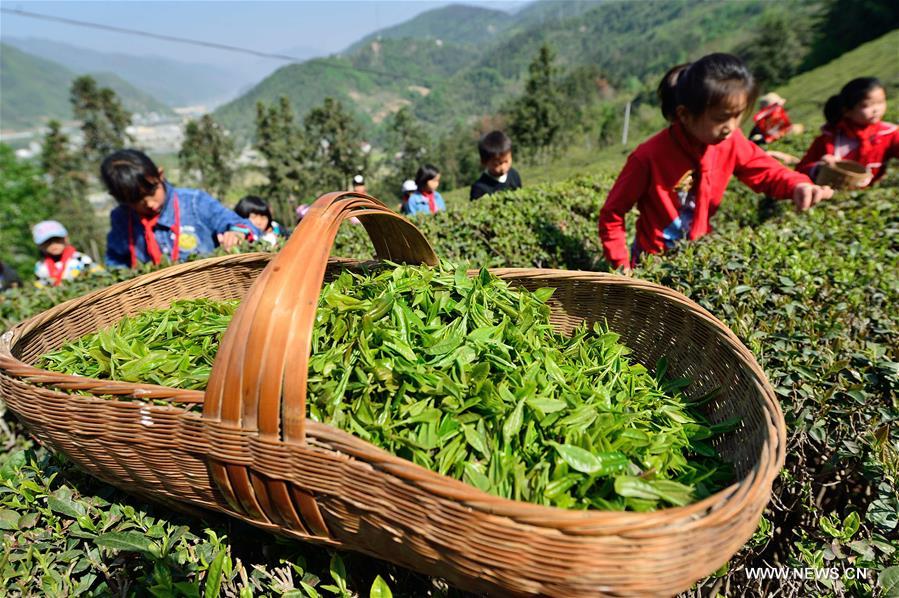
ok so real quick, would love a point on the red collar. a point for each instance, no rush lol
(57, 268)
(856, 130)
(149, 238)
(689, 145)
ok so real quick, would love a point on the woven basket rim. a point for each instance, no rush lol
(756, 480)
(847, 167)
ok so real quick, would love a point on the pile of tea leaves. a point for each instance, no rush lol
(464, 376)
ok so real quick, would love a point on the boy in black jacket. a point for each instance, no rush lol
(496, 157)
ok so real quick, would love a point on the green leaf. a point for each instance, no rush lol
(476, 440)
(884, 512)
(11, 466)
(546, 405)
(214, 576)
(127, 541)
(667, 490)
(9, 519)
(338, 572)
(544, 293)
(827, 525)
(476, 478)
(600, 463)
(380, 589)
(513, 423)
(850, 525)
(188, 589)
(888, 580)
(60, 501)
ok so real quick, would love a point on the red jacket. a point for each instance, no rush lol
(661, 164)
(872, 145)
(772, 122)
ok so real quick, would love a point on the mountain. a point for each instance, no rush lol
(628, 42)
(467, 72)
(374, 81)
(547, 11)
(458, 24)
(36, 90)
(173, 82)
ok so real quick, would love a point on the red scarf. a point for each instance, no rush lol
(696, 152)
(57, 268)
(865, 134)
(153, 249)
(432, 203)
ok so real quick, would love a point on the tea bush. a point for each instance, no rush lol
(812, 295)
(549, 226)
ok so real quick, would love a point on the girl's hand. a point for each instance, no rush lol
(805, 195)
(230, 239)
(829, 159)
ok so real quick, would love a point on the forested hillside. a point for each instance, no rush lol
(457, 23)
(463, 76)
(36, 89)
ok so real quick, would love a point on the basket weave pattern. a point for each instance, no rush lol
(844, 174)
(252, 454)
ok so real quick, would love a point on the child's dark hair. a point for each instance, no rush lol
(849, 97)
(252, 204)
(425, 174)
(129, 175)
(705, 83)
(494, 144)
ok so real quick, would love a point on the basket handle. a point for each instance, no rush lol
(258, 380)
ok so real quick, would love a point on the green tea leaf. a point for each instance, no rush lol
(127, 541)
(214, 576)
(380, 589)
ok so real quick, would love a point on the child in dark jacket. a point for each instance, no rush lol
(677, 178)
(855, 131)
(495, 149)
(155, 219)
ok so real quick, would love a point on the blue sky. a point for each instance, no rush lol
(322, 27)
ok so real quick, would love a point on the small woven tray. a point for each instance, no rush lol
(845, 174)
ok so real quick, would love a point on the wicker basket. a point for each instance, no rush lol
(252, 454)
(844, 174)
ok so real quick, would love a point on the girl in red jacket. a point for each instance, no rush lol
(677, 177)
(855, 131)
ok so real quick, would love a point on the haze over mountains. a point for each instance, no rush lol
(35, 90)
(37, 73)
(450, 65)
(466, 30)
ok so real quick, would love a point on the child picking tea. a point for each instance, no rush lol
(677, 178)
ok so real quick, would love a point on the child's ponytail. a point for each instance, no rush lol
(850, 96)
(667, 91)
(833, 110)
(705, 83)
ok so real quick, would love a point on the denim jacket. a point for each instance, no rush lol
(203, 218)
(418, 204)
